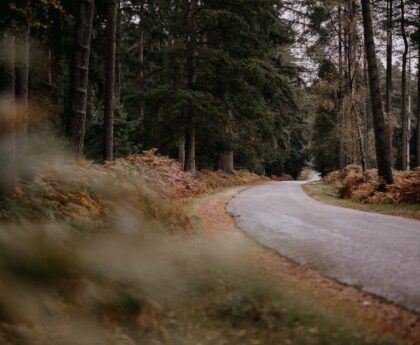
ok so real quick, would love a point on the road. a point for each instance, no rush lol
(378, 254)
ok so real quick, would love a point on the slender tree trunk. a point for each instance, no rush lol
(226, 159)
(341, 89)
(22, 87)
(110, 81)
(141, 58)
(366, 112)
(355, 132)
(76, 117)
(409, 111)
(190, 150)
(7, 120)
(389, 81)
(191, 68)
(381, 142)
(404, 95)
(181, 149)
(418, 109)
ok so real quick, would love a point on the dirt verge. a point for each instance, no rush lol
(365, 309)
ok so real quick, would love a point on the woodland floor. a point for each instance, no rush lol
(327, 194)
(362, 309)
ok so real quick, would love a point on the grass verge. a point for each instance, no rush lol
(328, 194)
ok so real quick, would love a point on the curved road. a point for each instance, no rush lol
(379, 254)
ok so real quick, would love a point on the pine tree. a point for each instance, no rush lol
(382, 155)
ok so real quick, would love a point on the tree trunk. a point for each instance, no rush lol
(191, 69)
(141, 59)
(381, 142)
(418, 109)
(110, 81)
(366, 112)
(404, 95)
(7, 120)
(226, 161)
(181, 149)
(341, 89)
(190, 151)
(22, 88)
(76, 118)
(389, 81)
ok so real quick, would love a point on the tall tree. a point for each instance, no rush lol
(110, 80)
(191, 71)
(405, 148)
(76, 117)
(381, 142)
(389, 81)
(418, 87)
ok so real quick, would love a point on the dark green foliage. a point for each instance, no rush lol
(224, 68)
(325, 131)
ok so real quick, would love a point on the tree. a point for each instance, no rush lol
(381, 143)
(417, 35)
(389, 58)
(76, 118)
(110, 80)
(405, 144)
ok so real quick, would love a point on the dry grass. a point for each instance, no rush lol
(93, 254)
(84, 192)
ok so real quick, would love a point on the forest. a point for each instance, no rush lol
(139, 138)
(279, 84)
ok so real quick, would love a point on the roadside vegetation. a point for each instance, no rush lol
(107, 254)
(354, 188)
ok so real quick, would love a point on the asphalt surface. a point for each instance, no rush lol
(378, 254)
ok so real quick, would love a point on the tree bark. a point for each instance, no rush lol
(190, 151)
(76, 118)
(366, 112)
(418, 108)
(389, 81)
(404, 98)
(389, 51)
(341, 89)
(7, 120)
(381, 142)
(226, 161)
(110, 81)
(191, 68)
(181, 149)
(141, 58)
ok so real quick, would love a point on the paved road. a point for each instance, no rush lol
(379, 254)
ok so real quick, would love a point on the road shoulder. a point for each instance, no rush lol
(326, 194)
(362, 308)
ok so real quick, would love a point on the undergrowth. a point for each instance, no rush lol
(365, 186)
(93, 254)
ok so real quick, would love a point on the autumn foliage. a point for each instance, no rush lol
(151, 185)
(365, 186)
